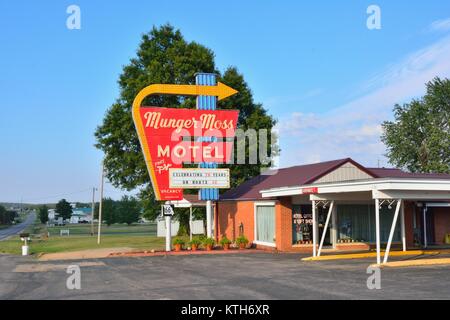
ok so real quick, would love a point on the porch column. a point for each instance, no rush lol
(377, 228)
(402, 218)
(425, 240)
(334, 227)
(314, 227)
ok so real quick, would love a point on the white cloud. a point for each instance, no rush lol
(440, 25)
(354, 129)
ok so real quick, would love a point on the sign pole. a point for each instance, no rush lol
(208, 219)
(100, 204)
(168, 234)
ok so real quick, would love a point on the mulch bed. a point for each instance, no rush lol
(183, 252)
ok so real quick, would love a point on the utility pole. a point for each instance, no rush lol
(101, 202)
(93, 210)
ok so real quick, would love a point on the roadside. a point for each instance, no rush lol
(16, 229)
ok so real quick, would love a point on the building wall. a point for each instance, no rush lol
(441, 224)
(283, 224)
(231, 214)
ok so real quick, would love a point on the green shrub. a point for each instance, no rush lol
(209, 241)
(225, 240)
(241, 239)
(195, 242)
(178, 241)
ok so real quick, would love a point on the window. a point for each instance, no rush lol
(265, 224)
(357, 223)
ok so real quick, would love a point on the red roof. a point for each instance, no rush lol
(307, 174)
(397, 173)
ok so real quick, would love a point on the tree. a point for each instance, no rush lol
(129, 210)
(7, 216)
(64, 209)
(43, 214)
(419, 138)
(109, 211)
(164, 56)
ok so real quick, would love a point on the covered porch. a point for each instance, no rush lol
(380, 213)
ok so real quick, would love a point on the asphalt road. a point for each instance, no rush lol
(15, 229)
(239, 276)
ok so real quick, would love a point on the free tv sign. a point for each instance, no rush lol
(170, 137)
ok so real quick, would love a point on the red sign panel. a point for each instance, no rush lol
(312, 190)
(171, 137)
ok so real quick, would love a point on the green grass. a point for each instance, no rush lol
(136, 236)
(75, 243)
(85, 229)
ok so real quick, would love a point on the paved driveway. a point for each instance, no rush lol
(15, 229)
(249, 276)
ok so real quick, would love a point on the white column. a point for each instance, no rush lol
(377, 228)
(425, 240)
(391, 234)
(168, 233)
(208, 219)
(402, 217)
(314, 216)
(324, 232)
(334, 227)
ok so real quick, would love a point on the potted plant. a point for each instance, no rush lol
(195, 243)
(242, 242)
(178, 243)
(225, 242)
(209, 243)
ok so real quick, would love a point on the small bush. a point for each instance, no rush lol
(178, 241)
(195, 242)
(225, 240)
(241, 240)
(209, 241)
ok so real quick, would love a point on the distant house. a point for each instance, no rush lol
(81, 215)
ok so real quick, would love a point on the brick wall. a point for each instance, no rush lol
(230, 214)
(283, 224)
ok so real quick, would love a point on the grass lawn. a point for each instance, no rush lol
(138, 236)
(85, 229)
(75, 243)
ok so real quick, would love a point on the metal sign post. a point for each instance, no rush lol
(168, 212)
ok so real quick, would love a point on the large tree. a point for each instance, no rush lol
(164, 56)
(109, 211)
(419, 138)
(129, 210)
(43, 214)
(64, 209)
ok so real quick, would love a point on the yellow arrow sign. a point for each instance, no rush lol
(221, 91)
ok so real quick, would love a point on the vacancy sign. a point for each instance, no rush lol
(199, 178)
(170, 137)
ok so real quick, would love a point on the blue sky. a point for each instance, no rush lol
(314, 65)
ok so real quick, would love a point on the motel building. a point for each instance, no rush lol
(338, 205)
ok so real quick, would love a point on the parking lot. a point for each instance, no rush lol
(240, 276)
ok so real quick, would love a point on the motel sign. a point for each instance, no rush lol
(170, 137)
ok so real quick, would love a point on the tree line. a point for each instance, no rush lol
(126, 210)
